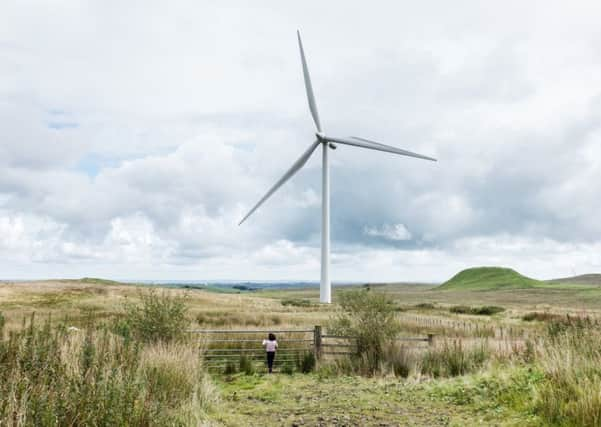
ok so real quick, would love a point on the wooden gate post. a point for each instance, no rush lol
(317, 342)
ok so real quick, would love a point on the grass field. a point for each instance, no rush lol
(507, 388)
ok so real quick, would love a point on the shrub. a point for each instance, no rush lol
(288, 368)
(541, 316)
(305, 362)
(461, 309)
(246, 365)
(2, 323)
(229, 368)
(370, 318)
(425, 306)
(487, 310)
(158, 317)
(297, 302)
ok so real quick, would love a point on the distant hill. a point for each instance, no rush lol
(97, 281)
(583, 279)
(489, 278)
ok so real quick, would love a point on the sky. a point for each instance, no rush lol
(135, 135)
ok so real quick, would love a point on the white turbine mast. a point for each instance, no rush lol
(326, 142)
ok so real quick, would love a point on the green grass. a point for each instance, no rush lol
(489, 278)
(500, 399)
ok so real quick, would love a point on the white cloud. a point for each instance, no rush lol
(389, 232)
(135, 137)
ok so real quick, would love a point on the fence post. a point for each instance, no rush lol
(317, 341)
(430, 339)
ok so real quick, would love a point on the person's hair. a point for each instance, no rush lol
(271, 337)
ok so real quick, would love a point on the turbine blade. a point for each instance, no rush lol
(372, 145)
(295, 168)
(308, 86)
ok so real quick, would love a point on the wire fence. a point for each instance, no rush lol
(224, 347)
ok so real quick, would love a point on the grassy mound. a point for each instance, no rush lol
(489, 278)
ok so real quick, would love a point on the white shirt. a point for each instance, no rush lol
(270, 345)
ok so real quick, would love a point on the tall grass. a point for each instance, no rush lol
(570, 358)
(56, 376)
(453, 359)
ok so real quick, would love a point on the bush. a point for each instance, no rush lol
(452, 360)
(229, 368)
(305, 363)
(425, 306)
(487, 310)
(246, 365)
(370, 318)
(297, 302)
(2, 323)
(541, 316)
(288, 368)
(158, 317)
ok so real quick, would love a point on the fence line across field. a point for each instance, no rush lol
(218, 353)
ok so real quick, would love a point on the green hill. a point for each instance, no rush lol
(489, 278)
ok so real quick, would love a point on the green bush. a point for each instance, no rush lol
(2, 323)
(370, 318)
(305, 362)
(157, 317)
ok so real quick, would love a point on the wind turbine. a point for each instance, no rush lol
(327, 142)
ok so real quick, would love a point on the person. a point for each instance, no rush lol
(271, 346)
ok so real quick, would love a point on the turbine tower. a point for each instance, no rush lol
(327, 142)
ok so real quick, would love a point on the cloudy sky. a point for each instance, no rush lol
(135, 135)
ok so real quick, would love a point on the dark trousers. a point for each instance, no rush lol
(270, 357)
